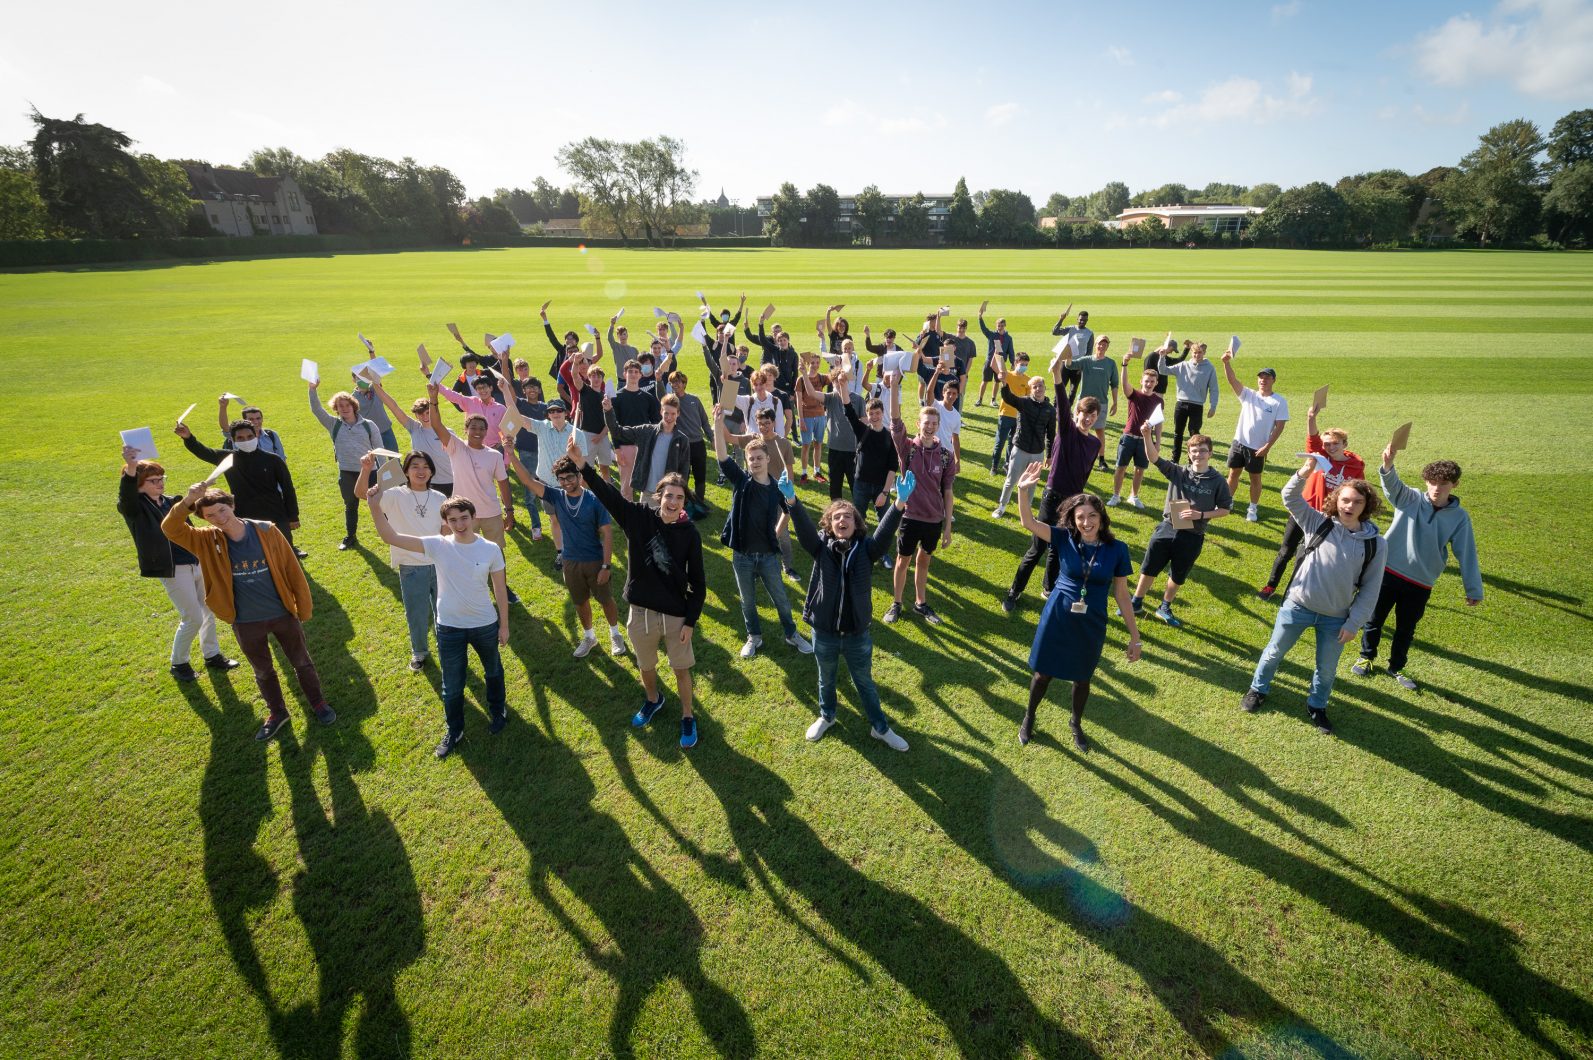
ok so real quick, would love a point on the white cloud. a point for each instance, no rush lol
(1001, 114)
(1284, 12)
(1121, 56)
(844, 112)
(911, 126)
(1241, 100)
(1542, 48)
(1166, 95)
(154, 86)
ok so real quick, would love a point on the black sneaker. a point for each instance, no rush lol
(270, 727)
(927, 613)
(220, 662)
(449, 742)
(1100, 465)
(892, 613)
(558, 560)
(183, 672)
(1319, 721)
(325, 714)
(498, 722)
(514, 597)
(1008, 605)
(1252, 701)
(301, 553)
(345, 544)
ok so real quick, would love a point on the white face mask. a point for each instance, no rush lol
(647, 369)
(247, 447)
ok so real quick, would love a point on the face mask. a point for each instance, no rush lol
(724, 318)
(647, 369)
(247, 447)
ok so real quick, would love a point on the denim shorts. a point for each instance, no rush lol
(813, 430)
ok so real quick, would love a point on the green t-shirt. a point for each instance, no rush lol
(1099, 379)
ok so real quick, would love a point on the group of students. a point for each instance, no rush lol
(599, 455)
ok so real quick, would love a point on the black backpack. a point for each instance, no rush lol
(1314, 542)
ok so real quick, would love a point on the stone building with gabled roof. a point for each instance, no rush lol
(236, 202)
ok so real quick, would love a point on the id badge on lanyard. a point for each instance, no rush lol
(1079, 606)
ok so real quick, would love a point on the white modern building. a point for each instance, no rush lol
(1214, 218)
(236, 202)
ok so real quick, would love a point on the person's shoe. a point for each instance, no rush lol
(818, 476)
(1008, 604)
(498, 723)
(270, 727)
(1133, 498)
(688, 733)
(1100, 465)
(417, 663)
(795, 578)
(800, 478)
(1362, 667)
(616, 643)
(345, 544)
(1252, 701)
(720, 481)
(1165, 613)
(301, 553)
(1045, 594)
(449, 742)
(1138, 604)
(892, 613)
(325, 714)
(1266, 592)
(1319, 721)
(1079, 741)
(800, 643)
(820, 726)
(998, 512)
(645, 715)
(1253, 514)
(536, 534)
(1113, 501)
(749, 649)
(183, 672)
(514, 597)
(889, 739)
(588, 642)
(219, 661)
(558, 560)
(927, 613)
(885, 562)
(1404, 682)
(1026, 729)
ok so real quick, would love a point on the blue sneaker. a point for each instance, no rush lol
(688, 732)
(1165, 613)
(645, 715)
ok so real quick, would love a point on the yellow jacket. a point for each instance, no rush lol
(215, 563)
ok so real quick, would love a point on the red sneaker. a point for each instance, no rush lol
(1265, 592)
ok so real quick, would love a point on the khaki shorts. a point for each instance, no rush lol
(491, 528)
(581, 580)
(598, 449)
(647, 629)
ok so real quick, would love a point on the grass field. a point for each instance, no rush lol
(1202, 882)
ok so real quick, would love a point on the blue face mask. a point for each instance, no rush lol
(647, 369)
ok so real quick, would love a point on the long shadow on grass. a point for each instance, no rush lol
(653, 935)
(1571, 605)
(999, 820)
(969, 988)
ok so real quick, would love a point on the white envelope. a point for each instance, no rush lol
(142, 439)
(698, 332)
(190, 408)
(620, 314)
(219, 470)
(380, 366)
(503, 343)
(309, 371)
(439, 372)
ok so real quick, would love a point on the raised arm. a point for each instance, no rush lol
(327, 419)
(1308, 518)
(362, 484)
(807, 534)
(720, 452)
(384, 529)
(1026, 483)
(393, 406)
(434, 414)
(528, 480)
(1233, 380)
(221, 415)
(193, 445)
(176, 526)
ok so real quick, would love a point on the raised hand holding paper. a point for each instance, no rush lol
(368, 346)
(425, 358)
(1401, 437)
(220, 469)
(700, 297)
(142, 439)
(698, 332)
(309, 371)
(657, 312)
(230, 396)
(1136, 346)
(1061, 345)
(1319, 401)
(1233, 344)
(983, 306)
(439, 372)
(620, 313)
(380, 366)
(505, 342)
(591, 330)
(386, 454)
(453, 329)
(186, 411)
(768, 311)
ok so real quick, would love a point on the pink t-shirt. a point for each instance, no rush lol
(475, 473)
(473, 406)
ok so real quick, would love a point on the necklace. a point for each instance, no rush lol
(422, 505)
(573, 509)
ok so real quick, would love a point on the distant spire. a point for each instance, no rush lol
(722, 201)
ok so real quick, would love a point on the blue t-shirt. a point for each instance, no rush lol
(580, 520)
(253, 591)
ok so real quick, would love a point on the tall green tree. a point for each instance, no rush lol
(1262, 195)
(962, 223)
(1571, 140)
(1165, 195)
(1110, 201)
(23, 214)
(1008, 217)
(657, 182)
(594, 164)
(1568, 207)
(1310, 215)
(1059, 205)
(912, 219)
(785, 216)
(822, 209)
(1494, 194)
(92, 186)
(873, 213)
(1218, 192)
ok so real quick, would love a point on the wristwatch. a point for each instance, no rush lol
(603, 567)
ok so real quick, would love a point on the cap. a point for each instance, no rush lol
(1268, 371)
(558, 406)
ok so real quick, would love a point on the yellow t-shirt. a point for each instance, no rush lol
(1018, 383)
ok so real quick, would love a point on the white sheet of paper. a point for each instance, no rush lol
(620, 314)
(142, 439)
(189, 409)
(703, 312)
(1061, 345)
(309, 371)
(591, 329)
(439, 372)
(700, 298)
(230, 396)
(608, 388)
(698, 332)
(364, 370)
(657, 312)
(220, 469)
(367, 342)
(1157, 417)
(388, 454)
(1233, 343)
(503, 343)
(380, 366)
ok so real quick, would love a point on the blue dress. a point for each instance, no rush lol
(1067, 646)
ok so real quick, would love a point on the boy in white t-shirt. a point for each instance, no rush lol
(472, 609)
(950, 430)
(1262, 416)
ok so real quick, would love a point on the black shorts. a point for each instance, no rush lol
(1242, 456)
(1181, 550)
(990, 375)
(1131, 449)
(918, 534)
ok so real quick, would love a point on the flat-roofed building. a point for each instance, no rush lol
(1213, 217)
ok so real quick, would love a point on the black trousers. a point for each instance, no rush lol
(351, 502)
(842, 463)
(1050, 501)
(699, 468)
(1071, 378)
(1189, 414)
(1408, 602)
(1292, 538)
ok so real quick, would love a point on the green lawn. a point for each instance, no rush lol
(1202, 882)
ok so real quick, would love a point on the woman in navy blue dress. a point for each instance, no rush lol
(1072, 628)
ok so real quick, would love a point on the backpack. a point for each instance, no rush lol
(1320, 535)
(370, 429)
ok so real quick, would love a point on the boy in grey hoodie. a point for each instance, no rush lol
(1334, 587)
(1426, 528)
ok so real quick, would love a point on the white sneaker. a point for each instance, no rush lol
(820, 726)
(800, 643)
(749, 649)
(616, 643)
(1253, 514)
(998, 513)
(889, 739)
(588, 642)
(536, 533)
(1133, 498)
(1113, 501)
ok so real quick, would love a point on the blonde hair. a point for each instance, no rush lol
(342, 396)
(1338, 434)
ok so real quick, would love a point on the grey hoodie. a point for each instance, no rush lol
(1325, 580)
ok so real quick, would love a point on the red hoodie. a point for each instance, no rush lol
(1321, 483)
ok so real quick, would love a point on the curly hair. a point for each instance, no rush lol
(1441, 471)
(1373, 502)
(836, 507)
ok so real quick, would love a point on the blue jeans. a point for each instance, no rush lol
(1006, 427)
(751, 568)
(533, 506)
(417, 585)
(1293, 620)
(451, 644)
(390, 440)
(864, 494)
(858, 649)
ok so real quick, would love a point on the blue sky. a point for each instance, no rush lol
(1040, 97)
